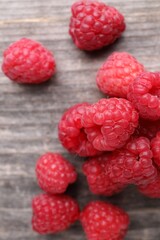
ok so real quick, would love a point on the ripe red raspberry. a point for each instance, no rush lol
(132, 164)
(98, 176)
(155, 147)
(94, 25)
(144, 94)
(151, 190)
(54, 173)
(72, 134)
(147, 128)
(117, 73)
(109, 123)
(104, 221)
(53, 213)
(27, 61)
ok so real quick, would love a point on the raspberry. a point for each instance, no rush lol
(94, 25)
(27, 61)
(72, 134)
(144, 94)
(98, 176)
(109, 123)
(147, 128)
(155, 147)
(104, 221)
(54, 173)
(132, 164)
(53, 213)
(151, 190)
(117, 73)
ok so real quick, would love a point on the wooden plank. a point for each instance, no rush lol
(29, 114)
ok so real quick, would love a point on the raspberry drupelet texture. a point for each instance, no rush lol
(144, 94)
(105, 221)
(147, 128)
(54, 173)
(155, 147)
(72, 134)
(53, 213)
(117, 73)
(151, 190)
(132, 164)
(94, 25)
(27, 61)
(99, 178)
(109, 123)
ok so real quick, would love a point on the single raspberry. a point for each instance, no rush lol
(104, 221)
(98, 176)
(155, 147)
(53, 213)
(94, 25)
(132, 164)
(27, 61)
(151, 190)
(109, 123)
(54, 173)
(117, 73)
(144, 94)
(72, 134)
(147, 128)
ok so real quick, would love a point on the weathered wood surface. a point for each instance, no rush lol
(29, 114)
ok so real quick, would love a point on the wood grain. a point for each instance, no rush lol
(29, 114)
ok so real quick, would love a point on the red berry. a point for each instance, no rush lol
(94, 25)
(53, 213)
(72, 134)
(151, 190)
(117, 73)
(27, 61)
(144, 94)
(99, 178)
(132, 164)
(147, 128)
(109, 123)
(155, 147)
(104, 221)
(54, 173)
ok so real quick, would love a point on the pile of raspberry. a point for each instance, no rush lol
(119, 136)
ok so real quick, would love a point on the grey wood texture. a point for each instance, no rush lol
(29, 114)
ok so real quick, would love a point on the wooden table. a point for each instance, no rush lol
(29, 114)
